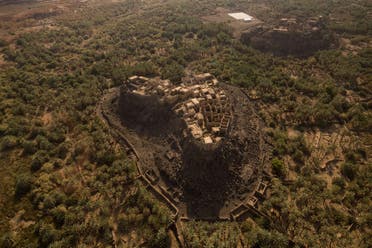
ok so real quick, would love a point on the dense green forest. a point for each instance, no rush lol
(65, 182)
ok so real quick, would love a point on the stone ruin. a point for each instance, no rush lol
(200, 142)
(291, 36)
(203, 107)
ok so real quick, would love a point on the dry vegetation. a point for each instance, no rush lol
(65, 182)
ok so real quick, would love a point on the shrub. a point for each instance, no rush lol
(61, 151)
(47, 234)
(29, 147)
(36, 164)
(173, 72)
(43, 143)
(3, 129)
(160, 240)
(298, 156)
(39, 159)
(123, 225)
(3, 43)
(339, 181)
(6, 241)
(348, 170)
(278, 167)
(23, 185)
(8, 142)
(58, 217)
(57, 137)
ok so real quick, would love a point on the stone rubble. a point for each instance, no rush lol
(203, 106)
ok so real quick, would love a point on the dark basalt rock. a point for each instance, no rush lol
(301, 39)
(205, 175)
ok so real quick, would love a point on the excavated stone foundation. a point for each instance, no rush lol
(202, 142)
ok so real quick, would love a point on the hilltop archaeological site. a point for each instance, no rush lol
(199, 144)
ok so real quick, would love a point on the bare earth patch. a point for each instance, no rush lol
(16, 222)
(47, 119)
(220, 15)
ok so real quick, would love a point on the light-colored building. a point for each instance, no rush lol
(241, 16)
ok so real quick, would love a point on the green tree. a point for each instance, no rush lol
(29, 147)
(348, 170)
(8, 142)
(23, 185)
(173, 72)
(6, 241)
(278, 167)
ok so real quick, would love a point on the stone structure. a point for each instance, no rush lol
(203, 107)
(200, 143)
(291, 36)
